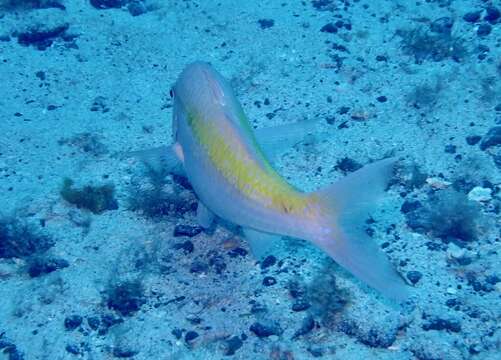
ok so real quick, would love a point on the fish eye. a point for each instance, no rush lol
(171, 93)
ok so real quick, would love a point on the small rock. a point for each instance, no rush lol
(442, 324)
(414, 276)
(455, 252)
(307, 325)
(237, 252)
(119, 352)
(442, 25)
(480, 194)
(472, 17)
(45, 266)
(93, 322)
(190, 336)
(266, 23)
(473, 139)
(199, 267)
(268, 261)
(217, 262)
(498, 287)
(450, 149)
(300, 305)
(232, 345)
(107, 321)
(178, 333)
(136, 8)
(264, 330)
(484, 30)
(347, 165)
(492, 15)
(437, 183)
(72, 349)
(409, 206)
(451, 291)
(41, 36)
(329, 28)
(186, 246)
(72, 322)
(107, 4)
(492, 138)
(187, 230)
(269, 281)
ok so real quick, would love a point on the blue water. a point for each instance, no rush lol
(101, 256)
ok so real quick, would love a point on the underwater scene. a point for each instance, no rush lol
(281, 179)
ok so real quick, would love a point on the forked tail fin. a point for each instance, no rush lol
(349, 203)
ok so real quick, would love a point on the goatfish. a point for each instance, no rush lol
(234, 180)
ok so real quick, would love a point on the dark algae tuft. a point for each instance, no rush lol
(18, 239)
(126, 298)
(424, 44)
(448, 215)
(96, 199)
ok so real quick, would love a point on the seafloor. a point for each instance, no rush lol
(101, 257)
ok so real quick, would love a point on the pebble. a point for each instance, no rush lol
(414, 276)
(237, 252)
(266, 23)
(190, 336)
(437, 183)
(264, 330)
(498, 287)
(45, 266)
(451, 291)
(187, 230)
(307, 325)
(480, 194)
(269, 281)
(93, 322)
(473, 139)
(472, 17)
(455, 252)
(232, 345)
(107, 4)
(199, 267)
(137, 8)
(484, 30)
(409, 206)
(300, 305)
(41, 36)
(72, 349)
(492, 15)
(492, 138)
(268, 261)
(329, 28)
(442, 324)
(186, 246)
(72, 322)
(442, 25)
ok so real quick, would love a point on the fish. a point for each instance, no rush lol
(234, 180)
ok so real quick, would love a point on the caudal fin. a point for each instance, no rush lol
(349, 203)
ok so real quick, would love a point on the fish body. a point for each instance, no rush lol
(233, 179)
(224, 162)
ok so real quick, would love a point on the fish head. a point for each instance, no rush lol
(200, 90)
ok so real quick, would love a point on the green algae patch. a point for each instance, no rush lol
(96, 199)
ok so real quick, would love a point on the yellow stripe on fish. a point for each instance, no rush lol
(261, 184)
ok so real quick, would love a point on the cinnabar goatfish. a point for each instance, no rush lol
(234, 180)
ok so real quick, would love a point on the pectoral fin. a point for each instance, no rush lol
(261, 243)
(205, 217)
(277, 139)
(162, 159)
